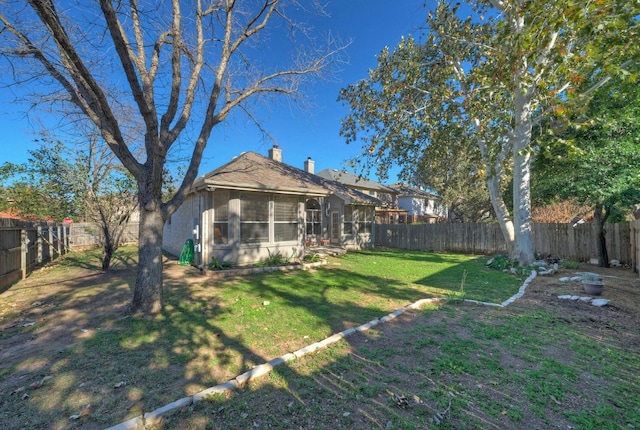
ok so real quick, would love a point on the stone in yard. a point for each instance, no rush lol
(599, 302)
(564, 279)
(615, 263)
(565, 297)
(585, 299)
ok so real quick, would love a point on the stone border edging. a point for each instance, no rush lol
(239, 381)
(242, 271)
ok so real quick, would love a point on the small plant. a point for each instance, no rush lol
(568, 264)
(275, 259)
(311, 258)
(592, 283)
(507, 264)
(502, 262)
(590, 277)
(218, 265)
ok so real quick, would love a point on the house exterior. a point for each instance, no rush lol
(254, 206)
(421, 206)
(386, 195)
(388, 211)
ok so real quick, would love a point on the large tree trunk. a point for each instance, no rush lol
(599, 219)
(523, 250)
(147, 294)
(521, 142)
(502, 213)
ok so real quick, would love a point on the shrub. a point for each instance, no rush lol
(218, 265)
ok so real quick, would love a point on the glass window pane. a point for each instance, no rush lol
(254, 232)
(221, 206)
(348, 213)
(285, 232)
(254, 207)
(220, 233)
(285, 208)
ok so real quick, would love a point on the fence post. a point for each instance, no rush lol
(39, 239)
(24, 248)
(51, 248)
(59, 239)
(65, 238)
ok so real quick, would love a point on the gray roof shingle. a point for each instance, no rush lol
(254, 172)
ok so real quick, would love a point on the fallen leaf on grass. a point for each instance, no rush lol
(17, 390)
(40, 383)
(84, 412)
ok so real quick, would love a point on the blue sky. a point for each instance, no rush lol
(314, 132)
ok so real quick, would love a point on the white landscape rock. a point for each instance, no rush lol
(595, 302)
(564, 279)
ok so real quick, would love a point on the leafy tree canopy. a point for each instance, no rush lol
(481, 83)
(596, 160)
(43, 187)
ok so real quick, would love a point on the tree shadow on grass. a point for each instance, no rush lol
(124, 365)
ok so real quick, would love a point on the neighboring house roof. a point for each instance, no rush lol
(254, 172)
(11, 214)
(352, 180)
(405, 190)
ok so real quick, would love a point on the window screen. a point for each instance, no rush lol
(221, 218)
(285, 226)
(254, 218)
(348, 220)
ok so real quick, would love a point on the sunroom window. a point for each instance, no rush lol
(221, 218)
(285, 222)
(254, 218)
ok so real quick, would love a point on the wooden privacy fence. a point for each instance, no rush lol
(559, 240)
(22, 248)
(83, 235)
(635, 244)
(27, 245)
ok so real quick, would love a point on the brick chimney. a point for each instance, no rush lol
(275, 153)
(309, 165)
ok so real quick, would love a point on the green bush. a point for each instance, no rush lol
(505, 263)
(218, 265)
(275, 259)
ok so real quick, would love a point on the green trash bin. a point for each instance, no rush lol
(186, 255)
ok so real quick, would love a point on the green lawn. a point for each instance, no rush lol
(212, 331)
